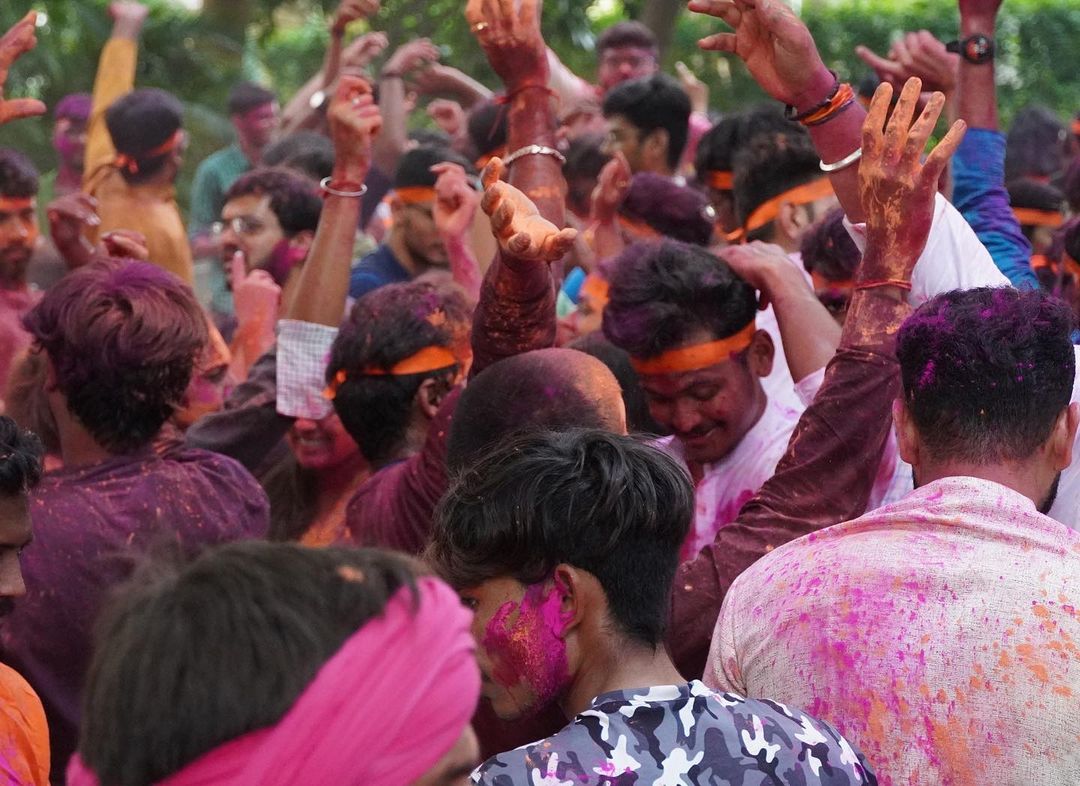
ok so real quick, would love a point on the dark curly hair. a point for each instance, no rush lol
(21, 457)
(651, 103)
(608, 504)
(663, 293)
(986, 372)
(123, 337)
(717, 148)
(294, 198)
(18, 177)
(386, 326)
(769, 165)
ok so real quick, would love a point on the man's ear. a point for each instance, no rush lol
(655, 146)
(760, 354)
(430, 395)
(1063, 437)
(791, 221)
(576, 589)
(907, 436)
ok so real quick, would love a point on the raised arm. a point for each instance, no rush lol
(516, 312)
(394, 139)
(115, 78)
(823, 478)
(781, 56)
(16, 42)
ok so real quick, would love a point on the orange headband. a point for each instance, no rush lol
(1031, 217)
(769, 210)
(598, 289)
(413, 195)
(130, 161)
(697, 356)
(820, 282)
(638, 227)
(427, 359)
(1076, 126)
(720, 179)
(16, 204)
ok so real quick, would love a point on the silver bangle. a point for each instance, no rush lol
(534, 150)
(326, 187)
(846, 161)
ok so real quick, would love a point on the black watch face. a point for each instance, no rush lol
(978, 49)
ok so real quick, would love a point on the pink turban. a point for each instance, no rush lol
(391, 702)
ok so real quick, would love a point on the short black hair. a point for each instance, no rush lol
(1035, 145)
(123, 337)
(639, 419)
(986, 372)
(141, 121)
(543, 389)
(21, 456)
(827, 248)
(585, 157)
(719, 145)
(414, 168)
(605, 503)
(627, 33)
(158, 695)
(305, 151)
(384, 327)
(487, 127)
(769, 165)
(246, 96)
(652, 103)
(18, 177)
(294, 197)
(663, 293)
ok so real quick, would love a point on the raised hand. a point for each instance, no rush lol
(775, 45)
(256, 296)
(511, 39)
(697, 90)
(68, 217)
(449, 116)
(351, 10)
(128, 18)
(455, 200)
(897, 189)
(16, 42)
(410, 57)
(361, 51)
(516, 223)
(762, 266)
(612, 186)
(125, 243)
(915, 55)
(354, 120)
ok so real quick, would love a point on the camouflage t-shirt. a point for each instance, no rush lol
(682, 735)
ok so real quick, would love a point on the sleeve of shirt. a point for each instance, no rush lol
(724, 673)
(205, 194)
(303, 351)
(820, 481)
(979, 194)
(115, 78)
(954, 257)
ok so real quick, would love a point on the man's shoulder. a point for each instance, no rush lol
(226, 158)
(376, 269)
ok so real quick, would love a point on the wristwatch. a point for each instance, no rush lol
(976, 49)
(319, 100)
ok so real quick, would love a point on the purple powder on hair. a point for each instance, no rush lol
(928, 374)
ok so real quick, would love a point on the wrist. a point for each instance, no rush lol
(128, 29)
(977, 25)
(350, 174)
(816, 91)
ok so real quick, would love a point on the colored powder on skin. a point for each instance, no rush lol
(526, 648)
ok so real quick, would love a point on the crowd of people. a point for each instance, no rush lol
(584, 436)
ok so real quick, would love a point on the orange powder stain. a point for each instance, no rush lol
(1029, 658)
(1004, 661)
(949, 745)
(1063, 690)
(875, 722)
(1041, 611)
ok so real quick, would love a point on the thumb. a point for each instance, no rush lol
(237, 270)
(880, 64)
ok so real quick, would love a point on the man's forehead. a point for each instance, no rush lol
(676, 382)
(247, 205)
(628, 50)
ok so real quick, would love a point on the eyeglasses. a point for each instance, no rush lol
(241, 225)
(634, 61)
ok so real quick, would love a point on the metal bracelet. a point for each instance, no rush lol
(846, 161)
(325, 185)
(534, 150)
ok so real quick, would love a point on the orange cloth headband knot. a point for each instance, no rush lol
(16, 204)
(130, 161)
(696, 356)
(770, 209)
(637, 227)
(422, 361)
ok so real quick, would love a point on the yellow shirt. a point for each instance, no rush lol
(149, 209)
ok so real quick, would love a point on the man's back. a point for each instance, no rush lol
(90, 525)
(938, 634)
(682, 734)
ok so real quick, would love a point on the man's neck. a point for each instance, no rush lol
(1023, 478)
(621, 665)
(252, 153)
(396, 243)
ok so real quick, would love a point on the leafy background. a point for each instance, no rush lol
(200, 55)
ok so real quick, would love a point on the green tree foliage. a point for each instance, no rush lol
(199, 56)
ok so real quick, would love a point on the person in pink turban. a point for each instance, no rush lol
(275, 664)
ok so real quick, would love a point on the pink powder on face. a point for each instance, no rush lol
(525, 647)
